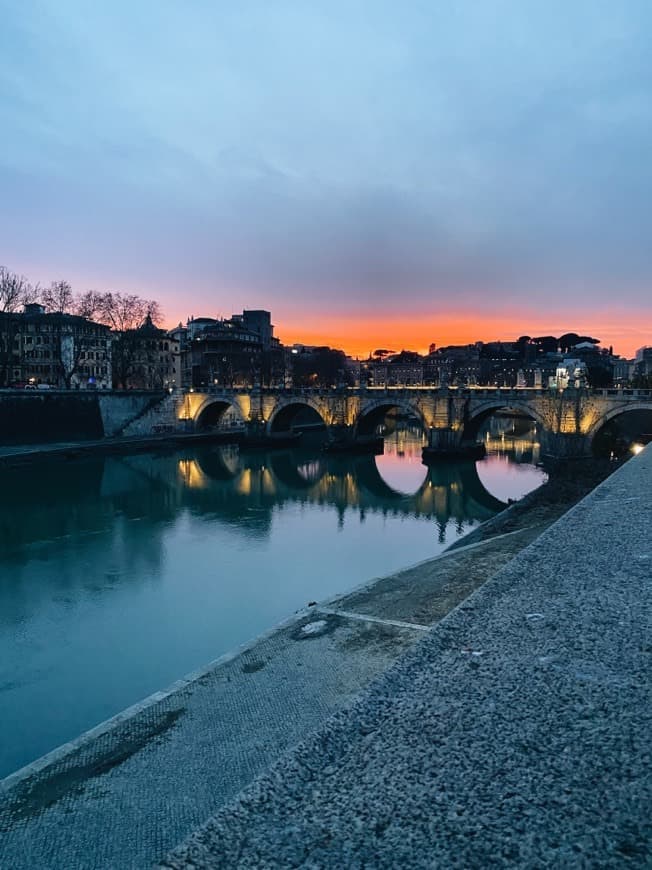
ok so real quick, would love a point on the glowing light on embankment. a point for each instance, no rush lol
(637, 448)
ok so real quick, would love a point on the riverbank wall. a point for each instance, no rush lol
(49, 416)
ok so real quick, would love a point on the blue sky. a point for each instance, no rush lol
(332, 159)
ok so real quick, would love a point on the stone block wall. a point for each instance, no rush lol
(158, 419)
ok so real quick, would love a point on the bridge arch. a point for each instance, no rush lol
(622, 426)
(482, 412)
(212, 410)
(286, 410)
(373, 413)
(618, 411)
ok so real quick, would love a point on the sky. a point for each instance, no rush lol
(377, 174)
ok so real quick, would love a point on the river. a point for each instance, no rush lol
(118, 575)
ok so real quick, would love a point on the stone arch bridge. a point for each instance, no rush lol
(568, 420)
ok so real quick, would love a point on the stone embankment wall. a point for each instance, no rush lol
(121, 412)
(160, 417)
(42, 417)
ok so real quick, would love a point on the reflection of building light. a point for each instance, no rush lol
(637, 448)
(243, 485)
(192, 475)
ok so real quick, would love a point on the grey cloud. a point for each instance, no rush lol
(354, 152)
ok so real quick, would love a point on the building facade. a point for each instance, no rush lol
(146, 358)
(643, 362)
(54, 349)
(235, 352)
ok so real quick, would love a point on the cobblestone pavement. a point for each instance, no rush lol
(515, 734)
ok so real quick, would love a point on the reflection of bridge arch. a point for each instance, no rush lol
(217, 464)
(448, 491)
(442, 485)
(461, 478)
(618, 412)
(373, 413)
(371, 480)
(286, 410)
(211, 412)
(285, 469)
(482, 412)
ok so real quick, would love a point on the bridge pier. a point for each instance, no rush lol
(344, 438)
(445, 443)
(257, 434)
(565, 445)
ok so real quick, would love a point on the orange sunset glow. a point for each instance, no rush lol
(359, 335)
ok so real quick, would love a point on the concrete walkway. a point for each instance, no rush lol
(516, 733)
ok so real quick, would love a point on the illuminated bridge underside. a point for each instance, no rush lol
(568, 421)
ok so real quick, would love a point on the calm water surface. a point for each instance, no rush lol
(120, 575)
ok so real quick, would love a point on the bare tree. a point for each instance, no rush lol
(88, 304)
(15, 291)
(125, 313)
(58, 298)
